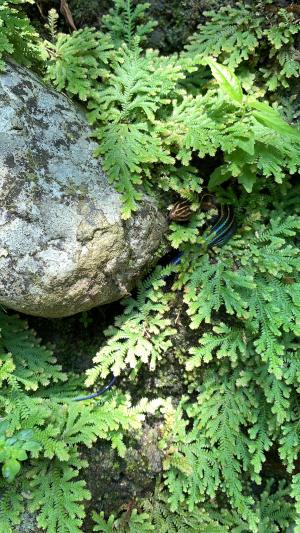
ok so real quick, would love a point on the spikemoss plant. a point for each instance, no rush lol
(160, 122)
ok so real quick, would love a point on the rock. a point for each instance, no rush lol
(28, 524)
(63, 245)
(114, 481)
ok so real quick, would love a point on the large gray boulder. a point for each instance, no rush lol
(63, 245)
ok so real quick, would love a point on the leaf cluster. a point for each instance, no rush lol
(242, 301)
(42, 429)
(146, 123)
(158, 121)
(273, 510)
(126, 21)
(261, 38)
(18, 37)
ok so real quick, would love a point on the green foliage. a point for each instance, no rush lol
(125, 110)
(259, 37)
(158, 122)
(11, 505)
(17, 36)
(142, 334)
(135, 523)
(53, 17)
(296, 494)
(159, 517)
(77, 60)
(14, 449)
(255, 292)
(45, 427)
(215, 450)
(248, 379)
(272, 510)
(231, 34)
(127, 21)
(228, 318)
(58, 495)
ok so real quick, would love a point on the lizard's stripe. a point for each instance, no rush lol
(223, 229)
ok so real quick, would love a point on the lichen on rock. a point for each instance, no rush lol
(64, 247)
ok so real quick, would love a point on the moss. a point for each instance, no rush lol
(114, 482)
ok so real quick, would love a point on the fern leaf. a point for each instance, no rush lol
(58, 496)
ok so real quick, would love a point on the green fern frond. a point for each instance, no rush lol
(296, 494)
(76, 61)
(58, 495)
(51, 26)
(11, 506)
(34, 364)
(17, 35)
(223, 341)
(141, 335)
(127, 150)
(127, 21)
(235, 37)
(232, 33)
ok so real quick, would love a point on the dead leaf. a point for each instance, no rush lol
(66, 12)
